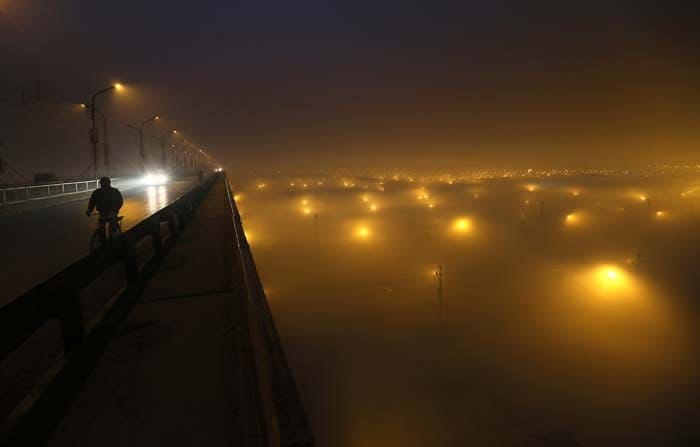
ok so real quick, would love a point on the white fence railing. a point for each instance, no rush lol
(25, 194)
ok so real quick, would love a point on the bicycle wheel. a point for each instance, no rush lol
(97, 241)
(115, 229)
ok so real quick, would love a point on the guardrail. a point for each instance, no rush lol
(59, 298)
(282, 413)
(24, 194)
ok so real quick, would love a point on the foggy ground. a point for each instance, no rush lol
(575, 318)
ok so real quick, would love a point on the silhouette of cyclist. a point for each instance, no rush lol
(108, 202)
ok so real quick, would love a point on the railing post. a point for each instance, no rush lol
(157, 237)
(71, 316)
(130, 266)
(173, 224)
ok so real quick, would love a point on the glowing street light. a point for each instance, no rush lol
(362, 233)
(142, 150)
(572, 219)
(162, 148)
(610, 278)
(462, 225)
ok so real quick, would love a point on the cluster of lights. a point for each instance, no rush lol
(306, 207)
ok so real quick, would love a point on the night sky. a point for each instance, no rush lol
(319, 85)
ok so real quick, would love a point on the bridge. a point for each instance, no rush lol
(163, 338)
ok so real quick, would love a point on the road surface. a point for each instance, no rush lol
(36, 244)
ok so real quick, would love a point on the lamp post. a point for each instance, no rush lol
(142, 149)
(173, 157)
(104, 129)
(162, 146)
(94, 136)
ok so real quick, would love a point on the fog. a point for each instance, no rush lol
(567, 307)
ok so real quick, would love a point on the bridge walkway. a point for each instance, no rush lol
(177, 371)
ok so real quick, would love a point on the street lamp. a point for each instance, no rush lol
(142, 150)
(162, 145)
(94, 137)
(104, 128)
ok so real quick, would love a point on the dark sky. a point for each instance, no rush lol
(368, 83)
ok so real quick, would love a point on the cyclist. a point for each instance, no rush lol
(108, 202)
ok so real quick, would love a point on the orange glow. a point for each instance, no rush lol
(572, 219)
(362, 233)
(462, 225)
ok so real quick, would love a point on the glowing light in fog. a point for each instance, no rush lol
(154, 179)
(610, 278)
(572, 219)
(462, 225)
(362, 232)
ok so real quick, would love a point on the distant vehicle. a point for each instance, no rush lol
(155, 179)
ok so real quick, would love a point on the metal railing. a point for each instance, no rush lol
(13, 195)
(59, 299)
(282, 412)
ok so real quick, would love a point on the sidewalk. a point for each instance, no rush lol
(178, 371)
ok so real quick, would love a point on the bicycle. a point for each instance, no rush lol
(102, 235)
